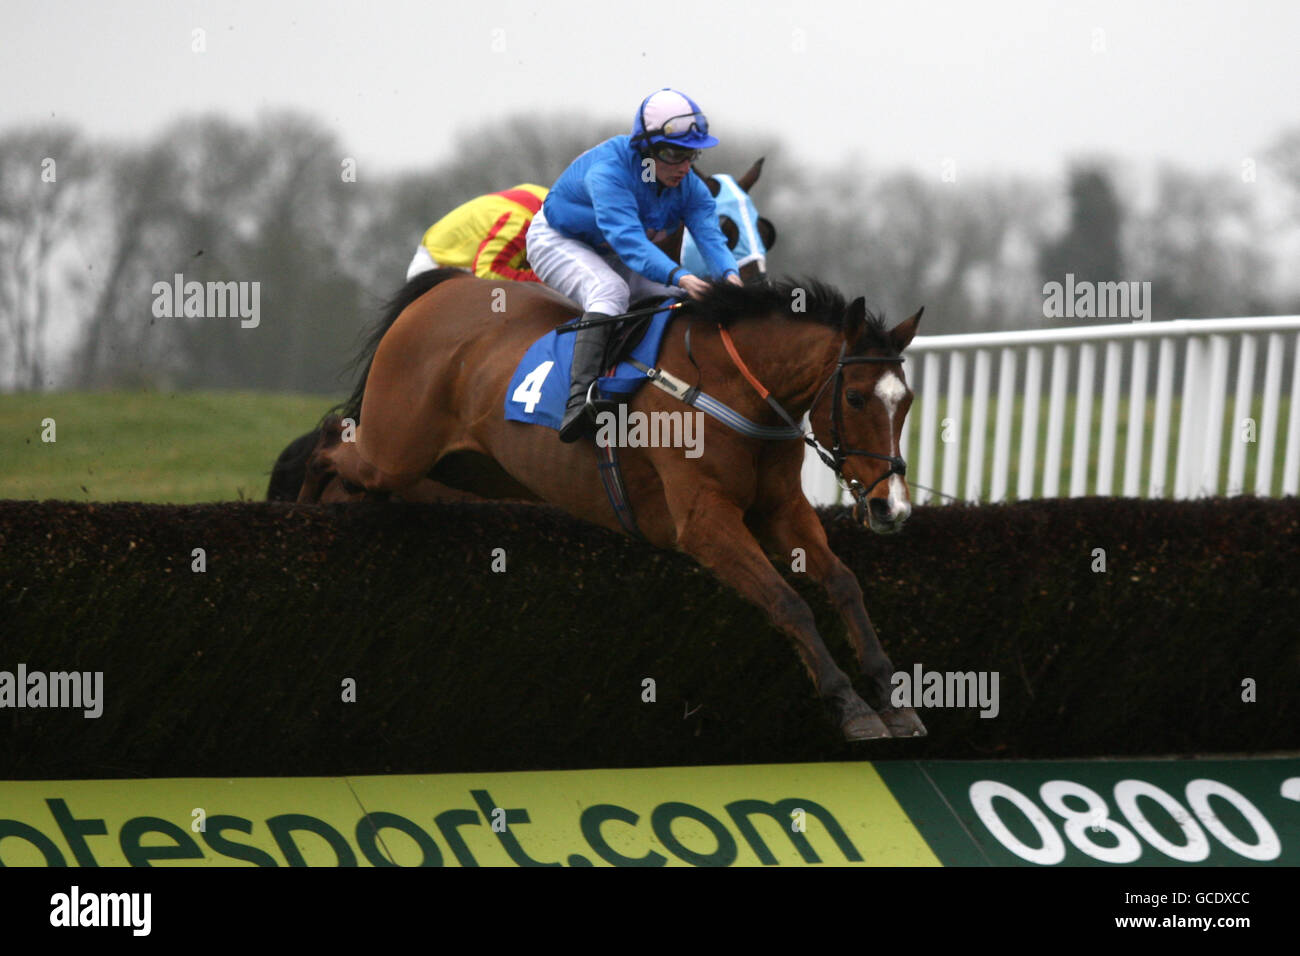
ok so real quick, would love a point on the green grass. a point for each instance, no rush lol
(167, 447)
(189, 447)
(1231, 433)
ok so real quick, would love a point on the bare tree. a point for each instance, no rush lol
(42, 187)
(964, 250)
(139, 186)
(1284, 155)
(1196, 245)
(272, 202)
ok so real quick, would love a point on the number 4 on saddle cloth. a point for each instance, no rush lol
(539, 388)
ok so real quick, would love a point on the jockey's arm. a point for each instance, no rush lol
(620, 223)
(504, 244)
(702, 220)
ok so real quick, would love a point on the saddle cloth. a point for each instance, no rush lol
(539, 388)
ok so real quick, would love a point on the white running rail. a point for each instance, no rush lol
(952, 411)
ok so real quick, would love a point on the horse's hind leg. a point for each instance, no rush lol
(711, 528)
(428, 490)
(337, 472)
(796, 526)
(333, 458)
(319, 472)
(337, 491)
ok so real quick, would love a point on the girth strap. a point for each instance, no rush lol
(674, 386)
(611, 476)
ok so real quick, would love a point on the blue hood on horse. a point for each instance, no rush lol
(734, 203)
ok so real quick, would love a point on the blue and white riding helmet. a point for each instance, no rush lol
(667, 116)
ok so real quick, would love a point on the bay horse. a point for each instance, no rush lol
(430, 426)
(287, 472)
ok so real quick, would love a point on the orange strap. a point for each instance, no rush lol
(740, 363)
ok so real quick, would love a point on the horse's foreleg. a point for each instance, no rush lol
(712, 530)
(797, 526)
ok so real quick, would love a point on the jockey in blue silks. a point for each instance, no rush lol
(593, 240)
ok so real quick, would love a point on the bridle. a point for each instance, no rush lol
(834, 459)
(838, 454)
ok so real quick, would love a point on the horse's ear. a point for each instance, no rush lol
(855, 320)
(751, 175)
(766, 232)
(900, 337)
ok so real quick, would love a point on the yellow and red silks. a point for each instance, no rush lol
(486, 235)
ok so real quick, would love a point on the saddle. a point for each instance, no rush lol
(625, 337)
(539, 388)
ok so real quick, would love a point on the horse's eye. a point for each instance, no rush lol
(855, 398)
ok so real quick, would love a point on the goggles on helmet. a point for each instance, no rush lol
(685, 123)
(691, 127)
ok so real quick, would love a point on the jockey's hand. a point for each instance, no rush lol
(693, 285)
(734, 279)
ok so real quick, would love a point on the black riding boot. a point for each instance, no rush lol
(588, 353)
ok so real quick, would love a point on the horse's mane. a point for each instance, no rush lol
(723, 304)
(800, 300)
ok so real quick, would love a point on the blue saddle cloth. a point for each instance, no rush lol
(539, 388)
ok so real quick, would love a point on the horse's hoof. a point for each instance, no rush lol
(903, 722)
(864, 727)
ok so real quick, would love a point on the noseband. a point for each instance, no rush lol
(839, 454)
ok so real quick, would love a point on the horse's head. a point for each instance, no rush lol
(859, 414)
(749, 235)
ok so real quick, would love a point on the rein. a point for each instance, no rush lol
(838, 454)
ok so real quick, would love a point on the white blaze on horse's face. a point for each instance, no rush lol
(891, 391)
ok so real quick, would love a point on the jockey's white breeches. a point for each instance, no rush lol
(422, 262)
(599, 283)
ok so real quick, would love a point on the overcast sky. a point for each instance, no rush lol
(996, 86)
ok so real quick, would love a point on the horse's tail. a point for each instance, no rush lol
(414, 288)
(291, 467)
